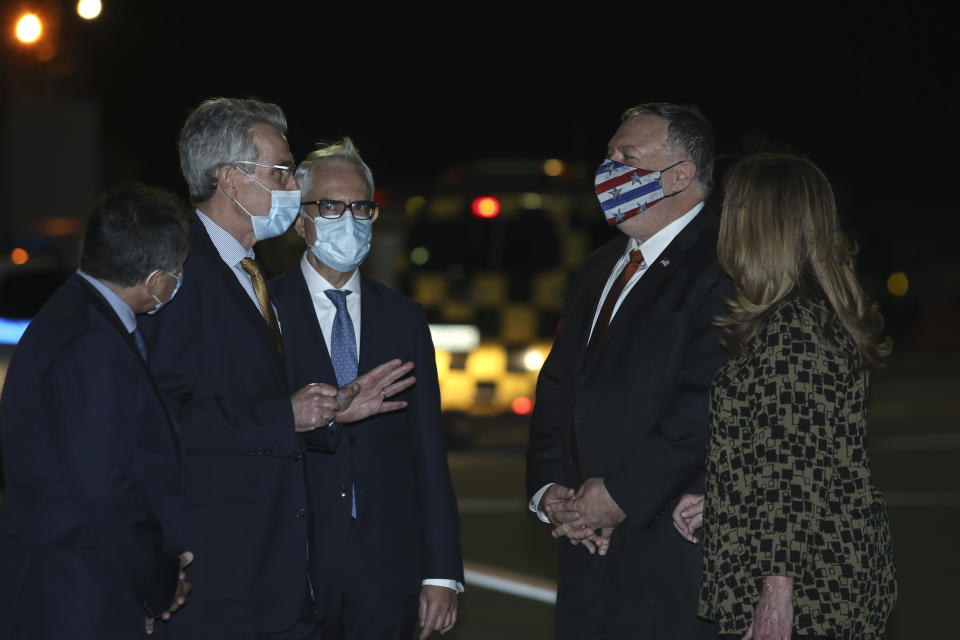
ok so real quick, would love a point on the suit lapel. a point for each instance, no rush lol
(666, 264)
(594, 283)
(101, 306)
(228, 280)
(370, 334)
(305, 315)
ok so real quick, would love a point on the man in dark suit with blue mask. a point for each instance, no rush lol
(388, 526)
(220, 360)
(90, 531)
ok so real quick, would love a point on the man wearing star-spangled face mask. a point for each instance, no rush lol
(618, 431)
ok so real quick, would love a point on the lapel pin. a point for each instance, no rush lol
(665, 262)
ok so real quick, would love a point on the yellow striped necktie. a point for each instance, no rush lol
(263, 298)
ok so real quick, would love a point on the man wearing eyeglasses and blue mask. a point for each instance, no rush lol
(217, 353)
(619, 427)
(388, 527)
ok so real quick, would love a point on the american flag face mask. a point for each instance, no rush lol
(625, 191)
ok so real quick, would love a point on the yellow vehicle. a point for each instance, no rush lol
(489, 252)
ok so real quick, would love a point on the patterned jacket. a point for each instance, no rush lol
(788, 487)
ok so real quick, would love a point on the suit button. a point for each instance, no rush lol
(301, 512)
(343, 492)
(352, 440)
(297, 457)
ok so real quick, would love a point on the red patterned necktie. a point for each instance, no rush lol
(603, 320)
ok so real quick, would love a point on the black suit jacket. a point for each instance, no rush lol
(90, 527)
(215, 358)
(408, 528)
(639, 404)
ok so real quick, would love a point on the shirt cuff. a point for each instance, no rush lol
(534, 504)
(449, 584)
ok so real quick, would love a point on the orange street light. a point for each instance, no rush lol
(29, 28)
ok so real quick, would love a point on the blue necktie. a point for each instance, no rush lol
(343, 354)
(141, 345)
(343, 341)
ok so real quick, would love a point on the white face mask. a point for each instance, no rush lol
(284, 206)
(342, 243)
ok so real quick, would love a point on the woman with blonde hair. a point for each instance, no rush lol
(796, 538)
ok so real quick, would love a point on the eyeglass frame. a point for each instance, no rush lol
(291, 168)
(374, 207)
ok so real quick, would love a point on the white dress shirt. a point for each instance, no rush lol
(324, 307)
(232, 253)
(326, 310)
(651, 250)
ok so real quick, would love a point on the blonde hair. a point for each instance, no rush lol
(780, 236)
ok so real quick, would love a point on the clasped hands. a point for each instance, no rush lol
(318, 403)
(586, 516)
(179, 597)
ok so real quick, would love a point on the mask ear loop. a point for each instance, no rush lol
(671, 167)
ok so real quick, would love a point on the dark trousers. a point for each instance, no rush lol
(305, 628)
(646, 588)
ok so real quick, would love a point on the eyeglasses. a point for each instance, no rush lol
(331, 209)
(282, 172)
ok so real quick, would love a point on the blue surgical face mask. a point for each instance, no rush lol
(625, 191)
(342, 243)
(162, 303)
(284, 206)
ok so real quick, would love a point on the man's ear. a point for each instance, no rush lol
(226, 179)
(686, 171)
(151, 284)
(298, 226)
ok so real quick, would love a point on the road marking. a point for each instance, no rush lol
(914, 442)
(510, 582)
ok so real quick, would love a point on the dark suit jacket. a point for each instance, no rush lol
(214, 357)
(639, 405)
(407, 529)
(90, 527)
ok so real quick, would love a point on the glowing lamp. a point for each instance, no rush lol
(522, 406)
(19, 256)
(897, 284)
(89, 9)
(486, 207)
(29, 28)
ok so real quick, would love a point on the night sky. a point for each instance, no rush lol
(863, 92)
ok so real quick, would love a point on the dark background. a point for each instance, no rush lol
(864, 90)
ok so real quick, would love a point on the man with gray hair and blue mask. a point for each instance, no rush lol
(217, 353)
(388, 528)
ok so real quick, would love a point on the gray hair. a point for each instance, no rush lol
(218, 132)
(342, 151)
(689, 130)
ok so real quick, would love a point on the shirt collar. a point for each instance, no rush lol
(230, 250)
(317, 284)
(118, 304)
(656, 243)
